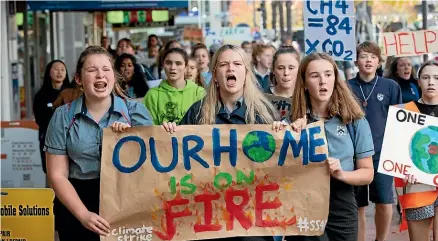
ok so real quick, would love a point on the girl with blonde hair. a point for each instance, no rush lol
(232, 98)
(320, 95)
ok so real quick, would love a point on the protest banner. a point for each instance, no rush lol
(227, 35)
(27, 214)
(413, 151)
(329, 26)
(410, 43)
(20, 155)
(214, 181)
(282, 104)
(193, 34)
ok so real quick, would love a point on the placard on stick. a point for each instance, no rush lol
(214, 181)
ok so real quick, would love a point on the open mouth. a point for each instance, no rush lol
(368, 66)
(231, 80)
(100, 86)
(323, 90)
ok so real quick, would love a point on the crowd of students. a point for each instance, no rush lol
(231, 87)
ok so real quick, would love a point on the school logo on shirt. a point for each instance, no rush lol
(341, 131)
(380, 96)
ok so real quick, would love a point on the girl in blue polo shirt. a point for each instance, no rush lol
(320, 95)
(232, 98)
(74, 144)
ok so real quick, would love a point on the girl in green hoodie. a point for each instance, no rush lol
(169, 101)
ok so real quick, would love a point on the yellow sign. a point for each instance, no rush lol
(27, 214)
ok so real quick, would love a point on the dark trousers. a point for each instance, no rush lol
(69, 228)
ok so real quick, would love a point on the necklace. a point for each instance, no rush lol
(432, 113)
(365, 99)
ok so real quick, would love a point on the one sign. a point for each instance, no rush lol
(27, 214)
(410, 43)
(216, 181)
(329, 26)
(413, 151)
(142, 18)
(20, 155)
(227, 35)
(282, 104)
(193, 34)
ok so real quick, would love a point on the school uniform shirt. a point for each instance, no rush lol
(386, 93)
(342, 219)
(264, 80)
(410, 91)
(169, 104)
(81, 138)
(207, 77)
(224, 116)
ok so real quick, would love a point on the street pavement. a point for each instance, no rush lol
(394, 234)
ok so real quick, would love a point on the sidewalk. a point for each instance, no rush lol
(394, 234)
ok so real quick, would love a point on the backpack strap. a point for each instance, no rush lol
(351, 127)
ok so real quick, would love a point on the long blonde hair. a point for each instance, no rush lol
(342, 102)
(254, 99)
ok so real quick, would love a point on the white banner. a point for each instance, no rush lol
(329, 26)
(410, 146)
(227, 35)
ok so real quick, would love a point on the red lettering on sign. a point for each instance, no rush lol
(171, 216)
(401, 168)
(399, 35)
(427, 40)
(260, 205)
(236, 211)
(415, 44)
(207, 199)
(389, 44)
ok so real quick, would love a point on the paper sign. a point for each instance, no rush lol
(227, 35)
(27, 214)
(410, 43)
(412, 151)
(216, 181)
(329, 26)
(282, 104)
(193, 34)
(20, 155)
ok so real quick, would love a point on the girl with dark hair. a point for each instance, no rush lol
(402, 71)
(55, 80)
(74, 144)
(284, 72)
(172, 98)
(133, 82)
(157, 69)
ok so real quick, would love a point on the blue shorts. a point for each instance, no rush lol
(381, 189)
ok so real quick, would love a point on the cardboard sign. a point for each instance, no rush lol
(193, 34)
(411, 151)
(20, 155)
(227, 35)
(216, 181)
(410, 43)
(282, 104)
(27, 214)
(329, 26)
